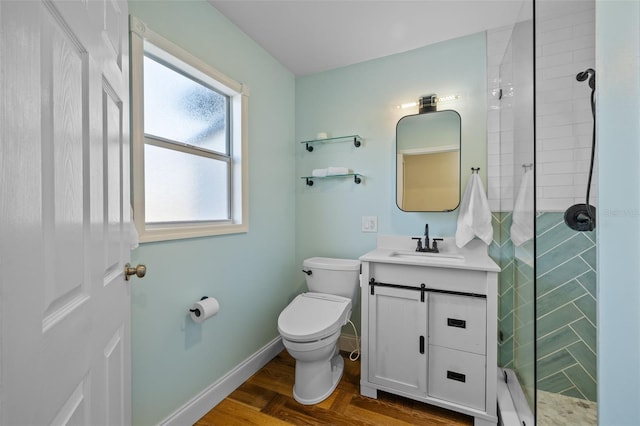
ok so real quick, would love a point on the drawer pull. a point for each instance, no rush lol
(421, 345)
(452, 322)
(459, 377)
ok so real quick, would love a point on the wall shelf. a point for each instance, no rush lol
(356, 139)
(357, 178)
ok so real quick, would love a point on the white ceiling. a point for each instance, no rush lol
(309, 36)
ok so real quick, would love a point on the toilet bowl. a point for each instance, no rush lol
(310, 327)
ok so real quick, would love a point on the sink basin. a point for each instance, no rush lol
(407, 254)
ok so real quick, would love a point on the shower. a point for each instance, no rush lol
(582, 217)
(548, 302)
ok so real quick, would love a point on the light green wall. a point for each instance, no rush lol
(361, 99)
(618, 137)
(253, 274)
(174, 359)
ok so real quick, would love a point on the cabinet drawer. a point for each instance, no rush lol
(458, 322)
(449, 279)
(457, 376)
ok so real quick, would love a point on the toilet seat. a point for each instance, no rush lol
(313, 316)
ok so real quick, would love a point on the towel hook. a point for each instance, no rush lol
(527, 167)
(475, 169)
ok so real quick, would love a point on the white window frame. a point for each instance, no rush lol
(144, 40)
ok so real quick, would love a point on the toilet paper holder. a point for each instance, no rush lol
(197, 311)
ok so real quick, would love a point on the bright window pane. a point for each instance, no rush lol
(182, 187)
(181, 109)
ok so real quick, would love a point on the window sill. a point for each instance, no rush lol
(155, 233)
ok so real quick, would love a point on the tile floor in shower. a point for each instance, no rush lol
(557, 410)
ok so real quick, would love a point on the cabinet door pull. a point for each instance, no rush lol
(453, 322)
(459, 377)
(421, 345)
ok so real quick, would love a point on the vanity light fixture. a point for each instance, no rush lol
(433, 99)
(407, 105)
(448, 98)
(427, 103)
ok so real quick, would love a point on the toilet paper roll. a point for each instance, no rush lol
(204, 309)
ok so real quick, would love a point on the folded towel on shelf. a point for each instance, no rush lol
(319, 172)
(474, 217)
(522, 223)
(338, 171)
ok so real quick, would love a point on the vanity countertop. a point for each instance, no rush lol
(401, 250)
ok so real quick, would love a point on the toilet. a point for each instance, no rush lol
(310, 326)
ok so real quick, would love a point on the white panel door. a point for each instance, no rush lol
(64, 212)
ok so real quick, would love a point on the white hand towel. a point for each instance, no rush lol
(522, 223)
(319, 172)
(474, 218)
(338, 171)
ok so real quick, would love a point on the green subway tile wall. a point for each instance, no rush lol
(501, 251)
(566, 306)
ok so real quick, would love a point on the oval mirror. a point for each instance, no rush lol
(428, 162)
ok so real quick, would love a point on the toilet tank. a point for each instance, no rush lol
(333, 276)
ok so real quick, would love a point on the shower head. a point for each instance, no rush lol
(582, 217)
(582, 76)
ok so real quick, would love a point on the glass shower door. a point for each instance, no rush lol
(517, 204)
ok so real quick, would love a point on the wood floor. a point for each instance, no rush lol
(267, 399)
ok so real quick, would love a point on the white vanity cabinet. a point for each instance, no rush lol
(429, 330)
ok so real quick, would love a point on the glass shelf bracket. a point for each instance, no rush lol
(357, 178)
(356, 139)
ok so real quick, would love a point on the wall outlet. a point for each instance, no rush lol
(369, 223)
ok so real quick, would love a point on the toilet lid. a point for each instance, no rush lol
(312, 316)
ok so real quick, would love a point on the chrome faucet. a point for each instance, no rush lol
(427, 247)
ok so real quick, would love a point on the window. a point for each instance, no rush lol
(189, 143)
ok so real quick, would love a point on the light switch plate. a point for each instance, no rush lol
(369, 223)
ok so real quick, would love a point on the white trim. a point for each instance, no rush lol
(157, 233)
(347, 342)
(142, 39)
(202, 403)
(429, 150)
(191, 62)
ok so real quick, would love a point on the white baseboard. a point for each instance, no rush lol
(202, 403)
(347, 342)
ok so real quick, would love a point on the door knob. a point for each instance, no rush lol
(139, 271)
